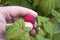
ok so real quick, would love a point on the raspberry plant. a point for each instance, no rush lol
(48, 20)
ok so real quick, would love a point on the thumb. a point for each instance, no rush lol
(2, 25)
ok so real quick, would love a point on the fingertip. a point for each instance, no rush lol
(35, 25)
(26, 11)
(35, 14)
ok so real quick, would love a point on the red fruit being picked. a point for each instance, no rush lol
(29, 18)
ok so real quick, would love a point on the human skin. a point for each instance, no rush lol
(8, 12)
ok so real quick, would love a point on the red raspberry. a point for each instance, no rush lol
(29, 18)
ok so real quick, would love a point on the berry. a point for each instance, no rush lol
(28, 24)
(32, 32)
(29, 18)
(38, 28)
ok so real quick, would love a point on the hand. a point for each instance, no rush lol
(8, 13)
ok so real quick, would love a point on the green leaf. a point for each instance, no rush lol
(42, 20)
(57, 30)
(50, 28)
(15, 30)
(32, 38)
(36, 2)
(56, 36)
(47, 6)
(25, 37)
(27, 29)
(41, 33)
(7, 3)
(2, 1)
(13, 2)
(26, 4)
(20, 23)
(56, 15)
(57, 4)
(40, 38)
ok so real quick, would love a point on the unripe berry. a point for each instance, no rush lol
(32, 32)
(38, 28)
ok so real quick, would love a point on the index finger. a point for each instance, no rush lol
(17, 10)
